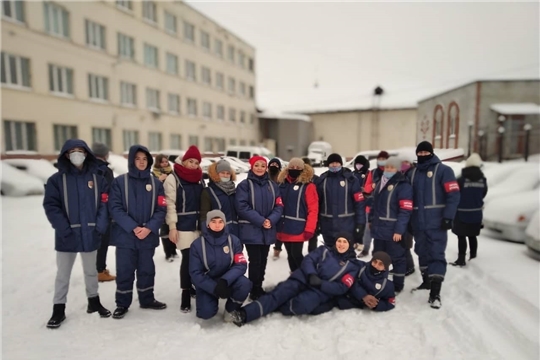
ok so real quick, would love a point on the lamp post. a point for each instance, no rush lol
(527, 129)
(501, 131)
(481, 144)
(470, 138)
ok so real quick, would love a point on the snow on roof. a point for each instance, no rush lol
(283, 116)
(516, 108)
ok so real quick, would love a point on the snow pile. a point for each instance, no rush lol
(18, 183)
(41, 169)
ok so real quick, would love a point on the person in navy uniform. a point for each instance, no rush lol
(138, 207)
(217, 267)
(389, 217)
(468, 221)
(324, 273)
(435, 198)
(75, 203)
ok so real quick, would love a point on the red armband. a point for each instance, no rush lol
(348, 280)
(392, 300)
(240, 259)
(451, 186)
(358, 196)
(405, 204)
(104, 197)
(161, 200)
(279, 202)
(368, 209)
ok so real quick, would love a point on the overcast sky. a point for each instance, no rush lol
(412, 50)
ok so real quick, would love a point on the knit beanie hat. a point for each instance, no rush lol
(275, 161)
(394, 161)
(296, 162)
(384, 257)
(334, 158)
(192, 153)
(212, 214)
(347, 236)
(223, 165)
(474, 160)
(100, 149)
(424, 146)
(256, 158)
(383, 154)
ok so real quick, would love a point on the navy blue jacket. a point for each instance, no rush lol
(341, 202)
(473, 187)
(226, 203)
(144, 205)
(188, 203)
(211, 259)
(392, 208)
(435, 194)
(257, 199)
(75, 202)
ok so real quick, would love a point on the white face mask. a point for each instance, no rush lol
(77, 158)
(225, 179)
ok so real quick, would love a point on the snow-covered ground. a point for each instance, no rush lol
(490, 311)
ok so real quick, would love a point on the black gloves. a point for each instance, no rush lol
(359, 233)
(446, 224)
(315, 281)
(222, 289)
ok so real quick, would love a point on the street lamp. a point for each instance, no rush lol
(527, 128)
(470, 138)
(501, 131)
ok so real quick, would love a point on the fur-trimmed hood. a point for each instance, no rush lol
(214, 175)
(305, 176)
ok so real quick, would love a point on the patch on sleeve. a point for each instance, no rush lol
(161, 200)
(104, 197)
(358, 196)
(279, 201)
(348, 280)
(392, 300)
(406, 204)
(451, 186)
(240, 259)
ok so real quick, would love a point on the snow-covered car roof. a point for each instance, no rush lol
(521, 180)
(38, 168)
(513, 209)
(16, 182)
(533, 229)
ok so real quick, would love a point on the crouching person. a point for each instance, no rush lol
(217, 267)
(137, 205)
(323, 274)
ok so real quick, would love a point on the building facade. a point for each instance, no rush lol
(288, 135)
(469, 117)
(123, 72)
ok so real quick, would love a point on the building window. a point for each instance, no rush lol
(207, 110)
(232, 142)
(252, 143)
(452, 132)
(206, 75)
(205, 40)
(242, 142)
(174, 103)
(438, 126)
(172, 64)
(128, 94)
(170, 23)
(98, 87)
(60, 80)
(15, 70)
(192, 107)
(230, 53)
(252, 119)
(13, 9)
(130, 138)
(219, 80)
(208, 144)
(242, 89)
(154, 141)
(126, 47)
(62, 133)
(251, 64)
(149, 11)
(193, 140)
(125, 4)
(189, 32)
(176, 141)
(150, 56)
(152, 99)
(232, 86)
(95, 35)
(220, 112)
(56, 20)
(242, 117)
(102, 135)
(218, 47)
(191, 71)
(20, 135)
(232, 115)
(242, 60)
(251, 92)
(220, 144)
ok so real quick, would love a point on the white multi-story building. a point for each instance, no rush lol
(124, 72)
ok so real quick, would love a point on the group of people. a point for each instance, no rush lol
(212, 223)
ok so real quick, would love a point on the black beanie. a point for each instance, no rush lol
(424, 146)
(345, 235)
(275, 161)
(361, 159)
(334, 158)
(384, 257)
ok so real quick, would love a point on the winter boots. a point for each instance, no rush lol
(435, 293)
(120, 312)
(410, 271)
(185, 305)
(460, 261)
(59, 315)
(256, 293)
(426, 285)
(154, 305)
(95, 305)
(239, 317)
(105, 276)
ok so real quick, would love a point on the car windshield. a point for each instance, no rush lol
(317, 151)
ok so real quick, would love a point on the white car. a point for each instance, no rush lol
(495, 173)
(509, 216)
(518, 181)
(532, 236)
(41, 169)
(16, 182)
(237, 165)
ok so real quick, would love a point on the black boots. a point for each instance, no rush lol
(154, 305)
(95, 305)
(256, 293)
(120, 312)
(425, 285)
(59, 315)
(185, 305)
(239, 317)
(435, 293)
(460, 261)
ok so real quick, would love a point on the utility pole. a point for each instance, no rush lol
(377, 93)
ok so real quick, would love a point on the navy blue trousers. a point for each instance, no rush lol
(430, 246)
(397, 253)
(208, 304)
(129, 261)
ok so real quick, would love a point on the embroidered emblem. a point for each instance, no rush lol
(390, 187)
(378, 286)
(296, 187)
(226, 249)
(430, 174)
(91, 184)
(342, 183)
(148, 187)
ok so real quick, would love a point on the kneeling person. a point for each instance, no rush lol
(217, 267)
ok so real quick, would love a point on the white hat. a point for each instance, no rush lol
(474, 160)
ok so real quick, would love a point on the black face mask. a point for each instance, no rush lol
(216, 234)
(294, 173)
(374, 270)
(273, 170)
(425, 158)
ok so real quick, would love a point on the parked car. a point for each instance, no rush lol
(318, 151)
(495, 173)
(41, 169)
(521, 180)
(16, 182)
(509, 215)
(371, 155)
(237, 165)
(532, 236)
(244, 153)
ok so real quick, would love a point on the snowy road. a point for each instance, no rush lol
(490, 311)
